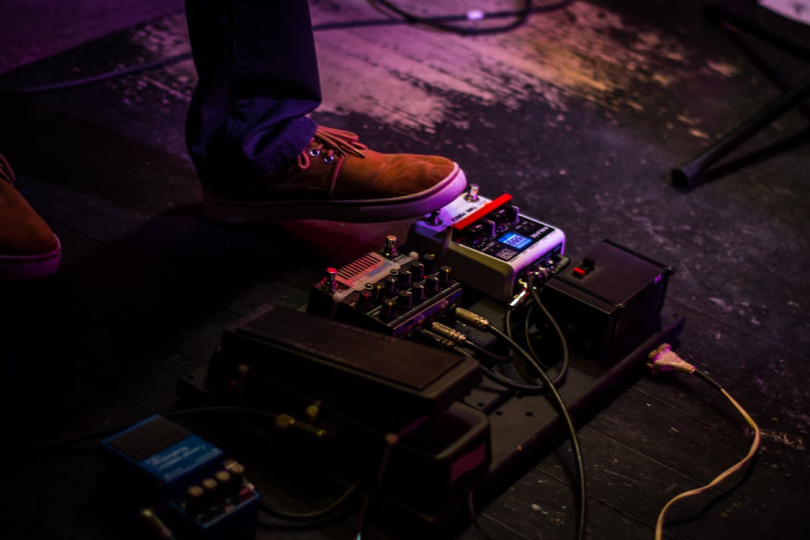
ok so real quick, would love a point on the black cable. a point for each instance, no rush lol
(580, 468)
(407, 18)
(474, 515)
(222, 408)
(511, 384)
(527, 321)
(560, 378)
(711, 382)
(310, 518)
(390, 441)
(97, 78)
(435, 338)
(484, 352)
(33, 452)
(317, 515)
(441, 23)
(507, 323)
(506, 382)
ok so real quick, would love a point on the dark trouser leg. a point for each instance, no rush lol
(258, 77)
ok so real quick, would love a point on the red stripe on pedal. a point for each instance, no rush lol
(481, 212)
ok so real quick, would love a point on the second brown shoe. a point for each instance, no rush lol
(338, 178)
(28, 247)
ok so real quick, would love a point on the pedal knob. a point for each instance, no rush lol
(472, 193)
(194, 500)
(404, 279)
(405, 299)
(378, 292)
(389, 309)
(417, 271)
(364, 301)
(330, 280)
(390, 248)
(514, 214)
(223, 478)
(237, 471)
(418, 291)
(432, 285)
(444, 275)
(391, 285)
(490, 228)
(210, 488)
(429, 260)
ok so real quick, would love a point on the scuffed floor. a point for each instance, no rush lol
(580, 114)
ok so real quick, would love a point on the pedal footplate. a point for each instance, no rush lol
(306, 351)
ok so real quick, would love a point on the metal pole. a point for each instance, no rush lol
(684, 176)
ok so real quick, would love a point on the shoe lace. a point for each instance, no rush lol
(331, 144)
(6, 172)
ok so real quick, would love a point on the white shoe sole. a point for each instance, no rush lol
(25, 267)
(356, 211)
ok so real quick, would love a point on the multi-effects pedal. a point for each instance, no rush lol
(489, 243)
(386, 291)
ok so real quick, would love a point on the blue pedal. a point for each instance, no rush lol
(183, 485)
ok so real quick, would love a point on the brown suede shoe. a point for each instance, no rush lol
(338, 178)
(28, 247)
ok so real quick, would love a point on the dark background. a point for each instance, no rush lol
(606, 97)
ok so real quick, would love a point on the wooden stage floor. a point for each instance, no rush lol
(580, 114)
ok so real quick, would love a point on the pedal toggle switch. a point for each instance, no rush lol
(585, 267)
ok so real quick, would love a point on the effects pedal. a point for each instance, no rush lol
(386, 291)
(607, 297)
(183, 485)
(489, 243)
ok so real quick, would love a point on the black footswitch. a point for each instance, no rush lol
(489, 243)
(386, 291)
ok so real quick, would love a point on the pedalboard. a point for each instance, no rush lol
(488, 242)
(182, 485)
(366, 359)
(386, 291)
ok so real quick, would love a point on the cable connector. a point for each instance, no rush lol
(521, 296)
(663, 359)
(472, 318)
(448, 333)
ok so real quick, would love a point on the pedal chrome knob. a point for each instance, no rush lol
(390, 248)
(330, 280)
